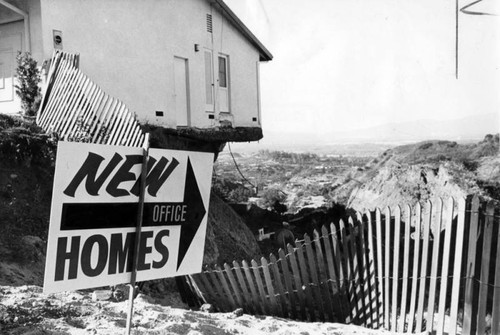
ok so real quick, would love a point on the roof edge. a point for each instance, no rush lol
(265, 54)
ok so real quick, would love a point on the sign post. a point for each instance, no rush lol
(140, 213)
(101, 193)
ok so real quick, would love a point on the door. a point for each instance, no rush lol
(223, 87)
(181, 91)
(9, 46)
(209, 82)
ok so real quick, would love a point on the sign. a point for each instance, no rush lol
(94, 210)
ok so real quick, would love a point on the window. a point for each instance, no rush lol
(222, 72)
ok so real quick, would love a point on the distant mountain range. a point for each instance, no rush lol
(378, 138)
(464, 129)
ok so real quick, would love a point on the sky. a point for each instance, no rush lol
(351, 64)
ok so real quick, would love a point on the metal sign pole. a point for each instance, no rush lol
(140, 210)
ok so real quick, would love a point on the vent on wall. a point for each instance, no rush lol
(209, 23)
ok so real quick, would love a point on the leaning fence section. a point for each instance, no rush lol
(433, 267)
(76, 109)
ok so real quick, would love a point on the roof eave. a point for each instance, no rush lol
(265, 55)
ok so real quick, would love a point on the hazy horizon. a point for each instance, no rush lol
(463, 130)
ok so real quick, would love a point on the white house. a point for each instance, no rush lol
(175, 63)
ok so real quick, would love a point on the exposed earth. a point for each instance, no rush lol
(25, 310)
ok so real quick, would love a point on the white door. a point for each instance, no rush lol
(9, 46)
(181, 91)
(223, 87)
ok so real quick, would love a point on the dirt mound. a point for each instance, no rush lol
(228, 237)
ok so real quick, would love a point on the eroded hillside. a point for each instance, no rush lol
(425, 170)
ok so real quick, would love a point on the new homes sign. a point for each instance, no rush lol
(94, 210)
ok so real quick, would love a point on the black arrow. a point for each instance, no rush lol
(188, 214)
(194, 216)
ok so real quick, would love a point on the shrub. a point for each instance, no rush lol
(274, 198)
(27, 89)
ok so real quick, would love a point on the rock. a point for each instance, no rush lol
(101, 295)
(145, 298)
(238, 312)
(207, 308)
(119, 295)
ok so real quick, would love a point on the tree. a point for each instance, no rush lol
(27, 89)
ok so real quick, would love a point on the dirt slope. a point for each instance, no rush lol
(423, 171)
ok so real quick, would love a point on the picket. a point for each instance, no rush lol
(234, 286)
(292, 296)
(347, 260)
(469, 319)
(279, 283)
(380, 270)
(414, 272)
(258, 279)
(356, 266)
(387, 267)
(259, 308)
(495, 322)
(333, 275)
(248, 302)
(323, 286)
(395, 269)
(372, 265)
(485, 269)
(406, 260)
(457, 268)
(298, 284)
(270, 288)
(306, 282)
(315, 280)
(436, 231)
(423, 267)
(365, 279)
(339, 261)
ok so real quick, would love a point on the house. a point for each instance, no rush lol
(190, 66)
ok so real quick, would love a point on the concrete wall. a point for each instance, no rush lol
(127, 47)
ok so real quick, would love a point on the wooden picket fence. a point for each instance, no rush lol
(77, 109)
(432, 268)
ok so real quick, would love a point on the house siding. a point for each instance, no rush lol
(128, 47)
